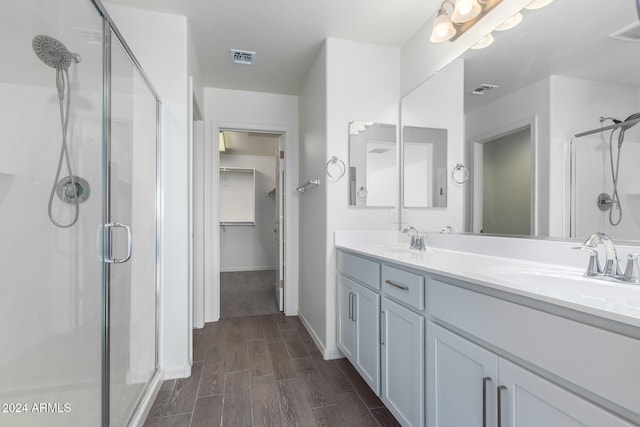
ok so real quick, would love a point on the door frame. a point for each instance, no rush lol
(475, 209)
(212, 229)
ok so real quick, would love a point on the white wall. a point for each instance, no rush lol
(438, 103)
(360, 82)
(251, 248)
(313, 203)
(243, 110)
(160, 44)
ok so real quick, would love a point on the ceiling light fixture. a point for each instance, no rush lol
(455, 17)
(538, 4)
(510, 23)
(485, 42)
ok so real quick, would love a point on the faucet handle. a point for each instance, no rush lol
(593, 269)
(632, 271)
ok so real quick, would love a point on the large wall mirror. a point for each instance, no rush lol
(424, 167)
(568, 68)
(373, 169)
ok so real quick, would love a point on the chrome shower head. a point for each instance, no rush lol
(631, 117)
(52, 52)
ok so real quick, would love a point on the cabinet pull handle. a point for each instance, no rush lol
(355, 307)
(485, 381)
(403, 287)
(500, 390)
(350, 302)
(382, 327)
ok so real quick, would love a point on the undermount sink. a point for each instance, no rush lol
(571, 285)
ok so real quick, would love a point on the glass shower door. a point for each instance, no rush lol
(131, 230)
(51, 266)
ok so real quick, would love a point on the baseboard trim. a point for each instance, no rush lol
(177, 372)
(327, 353)
(233, 269)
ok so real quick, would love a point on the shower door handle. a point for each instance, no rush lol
(108, 258)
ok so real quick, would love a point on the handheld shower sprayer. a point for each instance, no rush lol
(604, 201)
(53, 53)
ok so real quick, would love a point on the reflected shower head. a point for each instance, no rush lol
(52, 52)
(631, 117)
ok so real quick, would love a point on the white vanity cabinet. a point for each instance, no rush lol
(462, 377)
(402, 345)
(402, 348)
(472, 386)
(358, 318)
(526, 400)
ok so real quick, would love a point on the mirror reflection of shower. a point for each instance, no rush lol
(70, 189)
(606, 201)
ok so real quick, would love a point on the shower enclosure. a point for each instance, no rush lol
(605, 169)
(78, 219)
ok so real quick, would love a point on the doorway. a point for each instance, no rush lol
(251, 220)
(504, 193)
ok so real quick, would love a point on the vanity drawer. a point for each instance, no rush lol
(363, 270)
(404, 286)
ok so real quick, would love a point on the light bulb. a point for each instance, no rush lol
(465, 10)
(443, 29)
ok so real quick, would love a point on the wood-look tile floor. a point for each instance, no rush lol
(248, 293)
(265, 371)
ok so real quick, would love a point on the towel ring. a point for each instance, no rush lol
(335, 168)
(363, 192)
(463, 170)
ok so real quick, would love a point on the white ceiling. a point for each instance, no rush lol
(567, 38)
(285, 34)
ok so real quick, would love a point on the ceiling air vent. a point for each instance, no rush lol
(630, 33)
(244, 57)
(483, 88)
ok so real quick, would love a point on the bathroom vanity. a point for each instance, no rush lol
(490, 335)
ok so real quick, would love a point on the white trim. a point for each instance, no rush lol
(190, 213)
(142, 412)
(290, 213)
(177, 372)
(327, 353)
(258, 268)
(476, 173)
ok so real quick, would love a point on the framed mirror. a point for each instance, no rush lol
(424, 167)
(373, 169)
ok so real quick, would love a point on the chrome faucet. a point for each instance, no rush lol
(611, 263)
(417, 241)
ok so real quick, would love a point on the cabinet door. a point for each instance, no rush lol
(346, 322)
(527, 400)
(403, 363)
(367, 305)
(461, 381)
